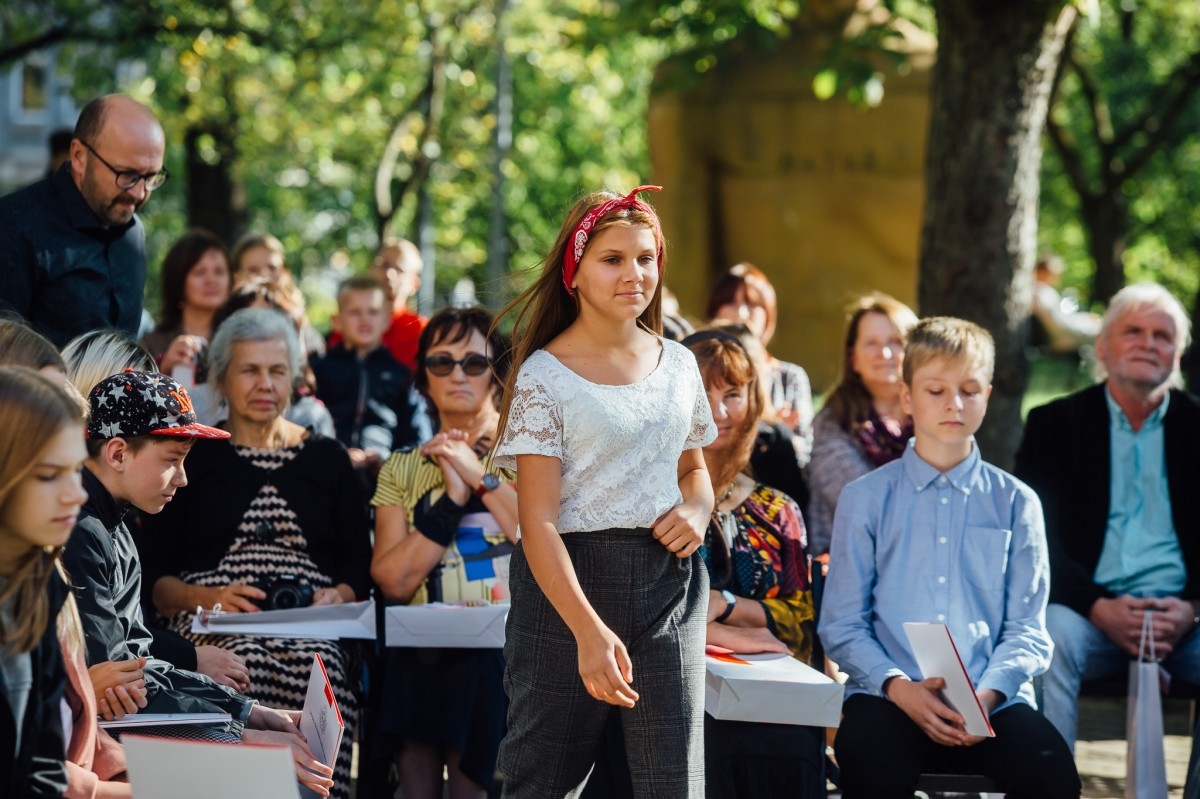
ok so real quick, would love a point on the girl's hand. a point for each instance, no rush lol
(606, 669)
(681, 529)
(744, 640)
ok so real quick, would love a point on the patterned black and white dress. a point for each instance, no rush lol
(250, 516)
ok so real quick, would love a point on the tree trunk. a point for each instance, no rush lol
(214, 201)
(991, 91)
(1106, 217)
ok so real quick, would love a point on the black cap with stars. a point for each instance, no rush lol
(144, 404)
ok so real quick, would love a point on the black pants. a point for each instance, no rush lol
(656, 603)
(881, 753)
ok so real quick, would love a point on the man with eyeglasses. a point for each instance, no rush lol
(74, 251)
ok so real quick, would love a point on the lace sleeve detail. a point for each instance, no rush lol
(535, 423)
(703, 430)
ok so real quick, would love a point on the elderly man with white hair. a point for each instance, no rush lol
(1117, 469)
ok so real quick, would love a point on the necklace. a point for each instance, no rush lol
(728, 493)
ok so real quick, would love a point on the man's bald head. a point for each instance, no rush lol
(115, 133)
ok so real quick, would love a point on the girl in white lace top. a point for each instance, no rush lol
(604, 421)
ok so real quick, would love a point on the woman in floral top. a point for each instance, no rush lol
(761, 599)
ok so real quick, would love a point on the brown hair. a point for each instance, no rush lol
(724, 361)
(34, 410)
(545, 309)
(21, 345)
(359, 283)
(180, 260)
(745, 280)
(849, 400)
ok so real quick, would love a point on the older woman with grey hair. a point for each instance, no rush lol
(270, 517)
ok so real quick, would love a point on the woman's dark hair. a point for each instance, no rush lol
(452, 325)
(749, 282)
(180, 260)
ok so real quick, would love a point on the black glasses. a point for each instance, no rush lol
(473, 365)
(128, 178)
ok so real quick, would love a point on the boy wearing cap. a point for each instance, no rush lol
(140, 429)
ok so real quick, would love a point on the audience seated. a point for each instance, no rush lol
(743, 294)
(272, 503)
(435, 506)
(1115, 467)
(760, 599)
(941, 536)
(195, 283)
(862, 425)
(366, 390)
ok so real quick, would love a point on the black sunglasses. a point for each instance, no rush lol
(473, 365)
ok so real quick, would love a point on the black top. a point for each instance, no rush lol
(369, 399)
(195, 531)
(61, 269)
(37, 770)
(1064, 456)
(102, 563)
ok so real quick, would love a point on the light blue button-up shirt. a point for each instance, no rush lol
(966, 548)
(1141, 554)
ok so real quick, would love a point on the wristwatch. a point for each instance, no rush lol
(490, 482)
(730, 602)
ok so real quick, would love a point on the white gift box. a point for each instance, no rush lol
(330, 622)
(161, 767)
(772, 688)
(447, 626)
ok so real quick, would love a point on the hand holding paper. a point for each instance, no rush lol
(922, 702)
(951, 696)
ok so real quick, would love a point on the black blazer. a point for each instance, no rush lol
(1064, 456)
(38, 769)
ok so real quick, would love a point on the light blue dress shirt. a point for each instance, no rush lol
(966, 548)
(1141, 554)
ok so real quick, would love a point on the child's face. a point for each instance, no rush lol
(947, 401)
(361, 318)
(618, 275)
(729, 405)
(151, 476)
(41, 510)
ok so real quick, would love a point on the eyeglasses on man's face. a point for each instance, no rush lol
(473, 365)
(128, 178)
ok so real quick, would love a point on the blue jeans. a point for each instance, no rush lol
(1082, 652)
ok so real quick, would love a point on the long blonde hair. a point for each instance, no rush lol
(545, 309)
(33, 410)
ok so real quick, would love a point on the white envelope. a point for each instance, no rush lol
(448, 626)
(772, 688)
(937, 656)
(160, 767)
(329, 622)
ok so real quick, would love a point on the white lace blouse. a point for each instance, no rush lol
(619, 445)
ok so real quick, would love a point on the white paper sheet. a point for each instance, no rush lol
(166, 767)
(937, 656)
(328, 622)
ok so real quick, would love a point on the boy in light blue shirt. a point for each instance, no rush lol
(941, 536)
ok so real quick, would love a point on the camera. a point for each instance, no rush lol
(285, 592)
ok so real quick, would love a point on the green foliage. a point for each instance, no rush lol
(1130, 50)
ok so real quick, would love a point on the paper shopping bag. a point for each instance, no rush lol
(1145, 760)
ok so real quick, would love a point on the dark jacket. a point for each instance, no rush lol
(64, 271)
(106, 575)
(1064, 456)
(37, 770)
(370, 399)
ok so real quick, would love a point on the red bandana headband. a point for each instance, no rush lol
(579, 237)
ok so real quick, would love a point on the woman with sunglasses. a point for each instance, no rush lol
(444, 527)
